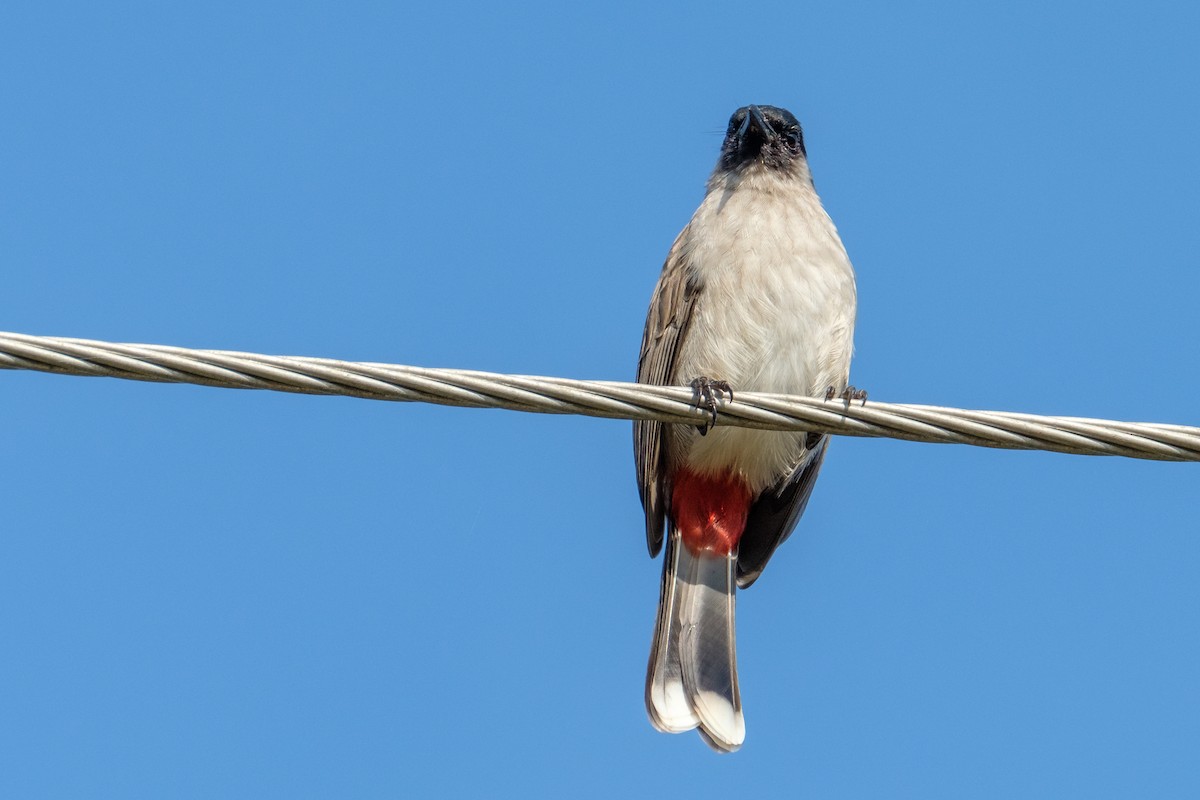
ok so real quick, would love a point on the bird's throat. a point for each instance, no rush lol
(710, 510)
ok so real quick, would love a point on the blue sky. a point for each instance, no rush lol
(213, 593)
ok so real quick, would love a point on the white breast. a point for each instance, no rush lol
(776, 313)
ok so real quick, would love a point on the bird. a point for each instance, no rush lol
(757, 294)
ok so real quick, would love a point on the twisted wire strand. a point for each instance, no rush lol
(375, 381)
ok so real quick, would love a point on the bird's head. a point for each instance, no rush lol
(764, 135)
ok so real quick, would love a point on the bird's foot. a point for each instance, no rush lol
(706, 394)
(847, 395)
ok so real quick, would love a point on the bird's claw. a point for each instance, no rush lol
(706, 394)
(848, 395)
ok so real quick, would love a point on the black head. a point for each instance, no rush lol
(764, 134)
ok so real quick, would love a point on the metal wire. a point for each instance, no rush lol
(305, 375)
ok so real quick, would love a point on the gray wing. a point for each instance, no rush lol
(775, 513)
(667, 322)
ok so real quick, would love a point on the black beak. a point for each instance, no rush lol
(754, 117)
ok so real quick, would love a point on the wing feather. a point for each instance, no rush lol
(667, 321)
(775, 513)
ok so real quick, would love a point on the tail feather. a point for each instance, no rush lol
(667, 704)
(692, 678)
